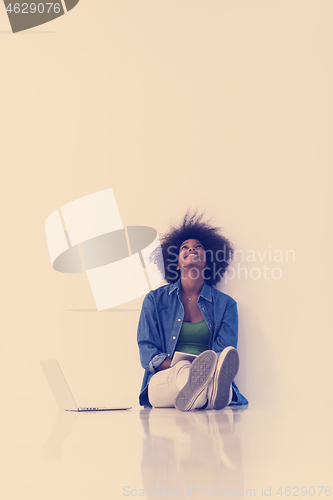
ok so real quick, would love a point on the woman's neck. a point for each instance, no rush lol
(191, 286)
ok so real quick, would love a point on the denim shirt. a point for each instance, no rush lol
(160, 322)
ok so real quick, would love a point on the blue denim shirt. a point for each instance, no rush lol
(161, 320)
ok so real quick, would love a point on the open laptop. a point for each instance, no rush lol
(62, 392)
(179, 356)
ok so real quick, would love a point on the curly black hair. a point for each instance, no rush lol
(219, 250)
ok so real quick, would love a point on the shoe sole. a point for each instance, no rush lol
(201, 372)
(226, 370)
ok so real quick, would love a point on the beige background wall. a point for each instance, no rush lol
(222, 105)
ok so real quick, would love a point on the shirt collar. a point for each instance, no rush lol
(206, 291)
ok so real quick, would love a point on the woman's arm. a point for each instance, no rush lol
(227, 335)
(163, 366)
(150, 340)
(227, 331)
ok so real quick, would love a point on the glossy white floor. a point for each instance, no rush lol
(152, 453)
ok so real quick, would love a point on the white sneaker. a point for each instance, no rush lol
(226, 370)
(201, 373)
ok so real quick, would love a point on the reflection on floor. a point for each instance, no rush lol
(163, 453)
(191, 450)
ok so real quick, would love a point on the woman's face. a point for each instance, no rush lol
(191, 254)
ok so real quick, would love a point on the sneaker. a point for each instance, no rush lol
(226, 370)
(201, 373)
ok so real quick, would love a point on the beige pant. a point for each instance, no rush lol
(165, 385)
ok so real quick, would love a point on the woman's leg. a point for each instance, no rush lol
(195, 390)
(163, 387)
(220, 389)
(188, 386)
(209, 379)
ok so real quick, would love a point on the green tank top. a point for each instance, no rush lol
(193, 338)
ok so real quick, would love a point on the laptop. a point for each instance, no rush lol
(62, 392)
(179, 356)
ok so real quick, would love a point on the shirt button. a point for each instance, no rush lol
(179, 319)
(203, 309)
(173, 337)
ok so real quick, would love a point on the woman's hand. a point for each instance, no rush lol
(163, 366)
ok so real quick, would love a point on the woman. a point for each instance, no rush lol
(189, 315)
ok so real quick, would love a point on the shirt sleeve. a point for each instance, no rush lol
(226, 333)
(149, 337)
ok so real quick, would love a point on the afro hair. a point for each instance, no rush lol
(219, 250)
